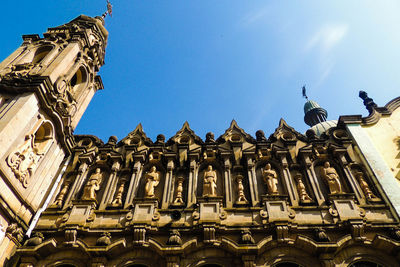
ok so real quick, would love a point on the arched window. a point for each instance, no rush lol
(365, 264)
(40, 54)
(78, 81)
(37, 55)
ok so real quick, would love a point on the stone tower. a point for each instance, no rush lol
(45, 87)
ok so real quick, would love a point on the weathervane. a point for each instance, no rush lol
(109, 10)
(304, 92)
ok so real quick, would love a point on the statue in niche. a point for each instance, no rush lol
(93, 185)
(210, 182)
(152, 180)
(332, 178)
(60, 198)
(24, 160)
(364, 186)
(301, 189)
(270, 179)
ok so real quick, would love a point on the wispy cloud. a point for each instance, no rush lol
(323, 41)
(327, 37)
(253, 16)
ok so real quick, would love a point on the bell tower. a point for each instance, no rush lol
(45, 87)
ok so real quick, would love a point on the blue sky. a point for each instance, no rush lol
(208, 62)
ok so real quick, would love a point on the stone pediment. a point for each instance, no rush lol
(286, 133)
(185, 136)
(235, 134)
(137, 138)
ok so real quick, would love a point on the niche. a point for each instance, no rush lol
(209, 180)
(264, 177)
(43, 137)
(151, 184)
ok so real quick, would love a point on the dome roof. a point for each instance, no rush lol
(309, 105)
(324, 126)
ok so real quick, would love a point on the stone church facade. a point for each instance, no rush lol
(287, 199)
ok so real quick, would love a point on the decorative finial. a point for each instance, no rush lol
(109, 10)
(368, 102)
(304, 92)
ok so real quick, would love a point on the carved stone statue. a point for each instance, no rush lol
(332, 178)
(60, 197)
(210, 182)
(260, 136)
(24, 160)
(270, 179)
(210, 137)
(93, 185)
(301, 189)
(364, 186)
(152, 180)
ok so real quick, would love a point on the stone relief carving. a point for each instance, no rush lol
(174, 238)
(24, 160)
(210, 182)
(93, 185)
(301, 189)
(270, 179)
(35, 240)
(104, 239)
(331, 177)
(152, 180)
(246, 237)
(15, 231)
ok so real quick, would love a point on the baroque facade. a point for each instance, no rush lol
(324, 198)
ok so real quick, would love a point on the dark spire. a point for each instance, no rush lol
(313, 113)
(109, 10)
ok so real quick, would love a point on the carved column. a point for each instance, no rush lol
(291, 188)
(313, 177)
(249, 260)
(173, 261)
(251, 170)
(80, 177)
(168, 186)
(111, 186)
(227, 180)
(192, 182)
(134, 183)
